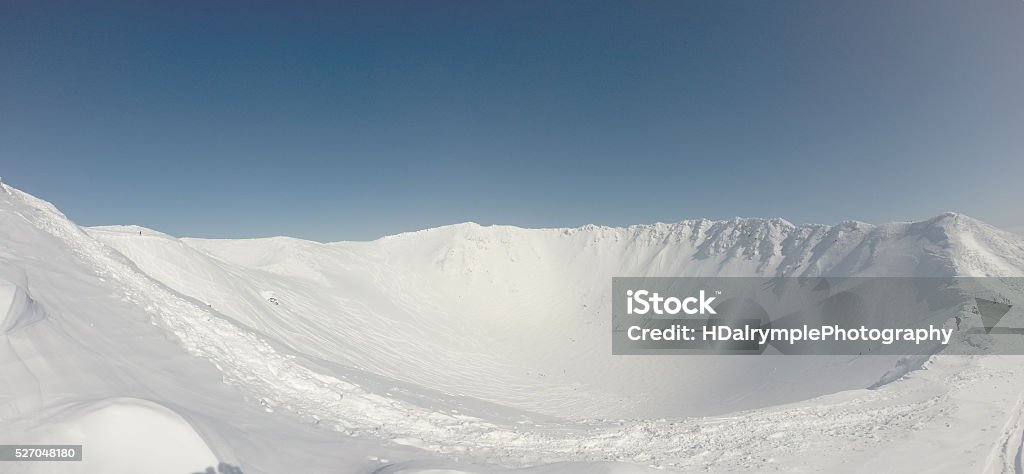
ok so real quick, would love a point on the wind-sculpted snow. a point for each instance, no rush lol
(433, 350)
(127, 435)
(18, 308)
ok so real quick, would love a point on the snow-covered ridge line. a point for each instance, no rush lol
(695, 223)
(655, 227)
(971, 247)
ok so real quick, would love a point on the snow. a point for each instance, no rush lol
(126, 435)
(423, 352)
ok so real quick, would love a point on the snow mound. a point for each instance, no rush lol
(125, 436)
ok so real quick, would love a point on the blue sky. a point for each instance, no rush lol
(354, 120)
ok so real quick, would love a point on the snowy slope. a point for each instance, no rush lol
(423, 350)
(520, 317)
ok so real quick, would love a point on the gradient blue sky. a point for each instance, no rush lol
(351, 121)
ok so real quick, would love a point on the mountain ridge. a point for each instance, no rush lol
(1000, 253)
(472, 225)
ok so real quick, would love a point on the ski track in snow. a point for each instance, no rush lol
(754, 440)
(1007, 455)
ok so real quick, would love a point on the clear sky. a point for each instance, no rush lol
(348, 121)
